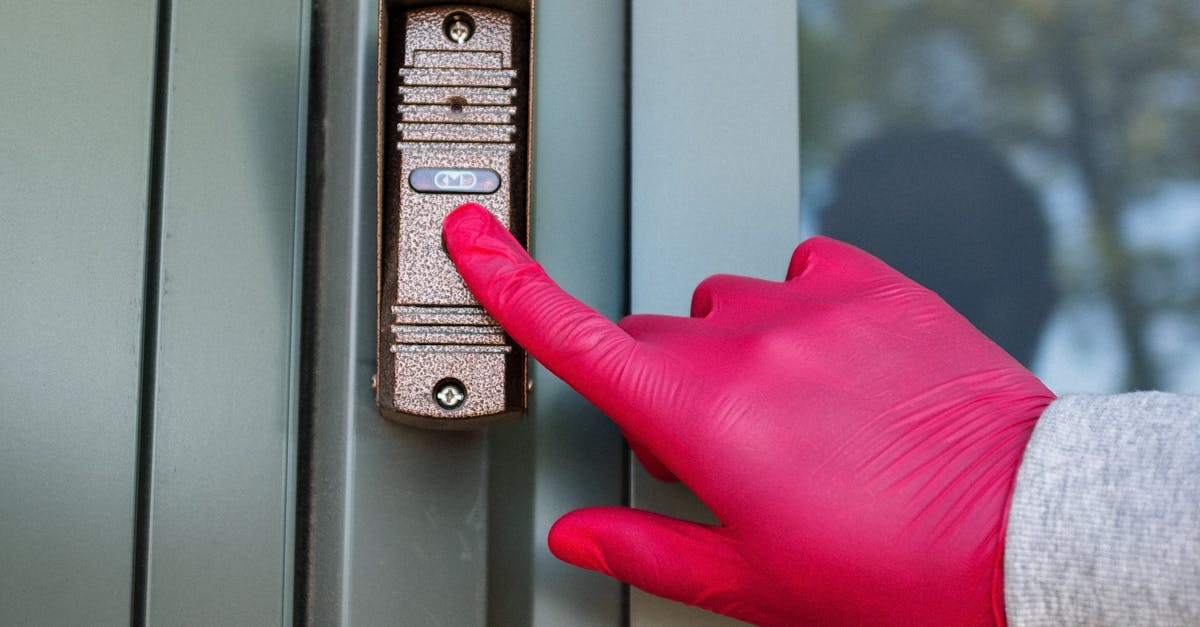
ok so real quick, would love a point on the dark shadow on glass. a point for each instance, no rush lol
(946, 209)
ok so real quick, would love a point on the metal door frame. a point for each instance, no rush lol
(400, 525)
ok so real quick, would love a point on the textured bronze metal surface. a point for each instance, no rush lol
(448, 107)
(463, 115)
(457, 77)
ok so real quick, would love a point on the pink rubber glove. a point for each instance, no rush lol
(856, 437)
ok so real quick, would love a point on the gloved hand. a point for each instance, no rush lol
(856, 437)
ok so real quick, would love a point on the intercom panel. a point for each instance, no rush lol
(453, 127)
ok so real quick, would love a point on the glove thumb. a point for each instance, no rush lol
(676, 559)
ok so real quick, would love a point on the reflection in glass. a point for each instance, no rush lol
(946, 209)
(1095, 105)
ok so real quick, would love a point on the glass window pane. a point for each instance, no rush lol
(1036, 163)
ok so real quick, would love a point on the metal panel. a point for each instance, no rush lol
(76, 92)
(221, 485)
(714, 178)
(417, 527)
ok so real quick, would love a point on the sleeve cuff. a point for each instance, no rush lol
(1104, 526)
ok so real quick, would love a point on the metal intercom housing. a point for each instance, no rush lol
(453, 127)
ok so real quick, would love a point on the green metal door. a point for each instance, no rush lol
(186, 356)
(77, 100)
(150, 173)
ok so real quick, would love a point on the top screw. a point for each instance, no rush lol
(458, 27)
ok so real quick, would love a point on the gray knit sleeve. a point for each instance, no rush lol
(1105, 522)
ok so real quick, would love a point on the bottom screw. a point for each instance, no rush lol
(449, 393)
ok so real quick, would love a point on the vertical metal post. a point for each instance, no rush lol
(714, 178)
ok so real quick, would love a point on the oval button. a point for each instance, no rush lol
(454, 180)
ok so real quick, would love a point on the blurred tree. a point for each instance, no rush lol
(1107, 89)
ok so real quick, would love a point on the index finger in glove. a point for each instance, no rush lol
(572, 340)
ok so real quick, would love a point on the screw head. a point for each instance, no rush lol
(449, 394)
(458, 27)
